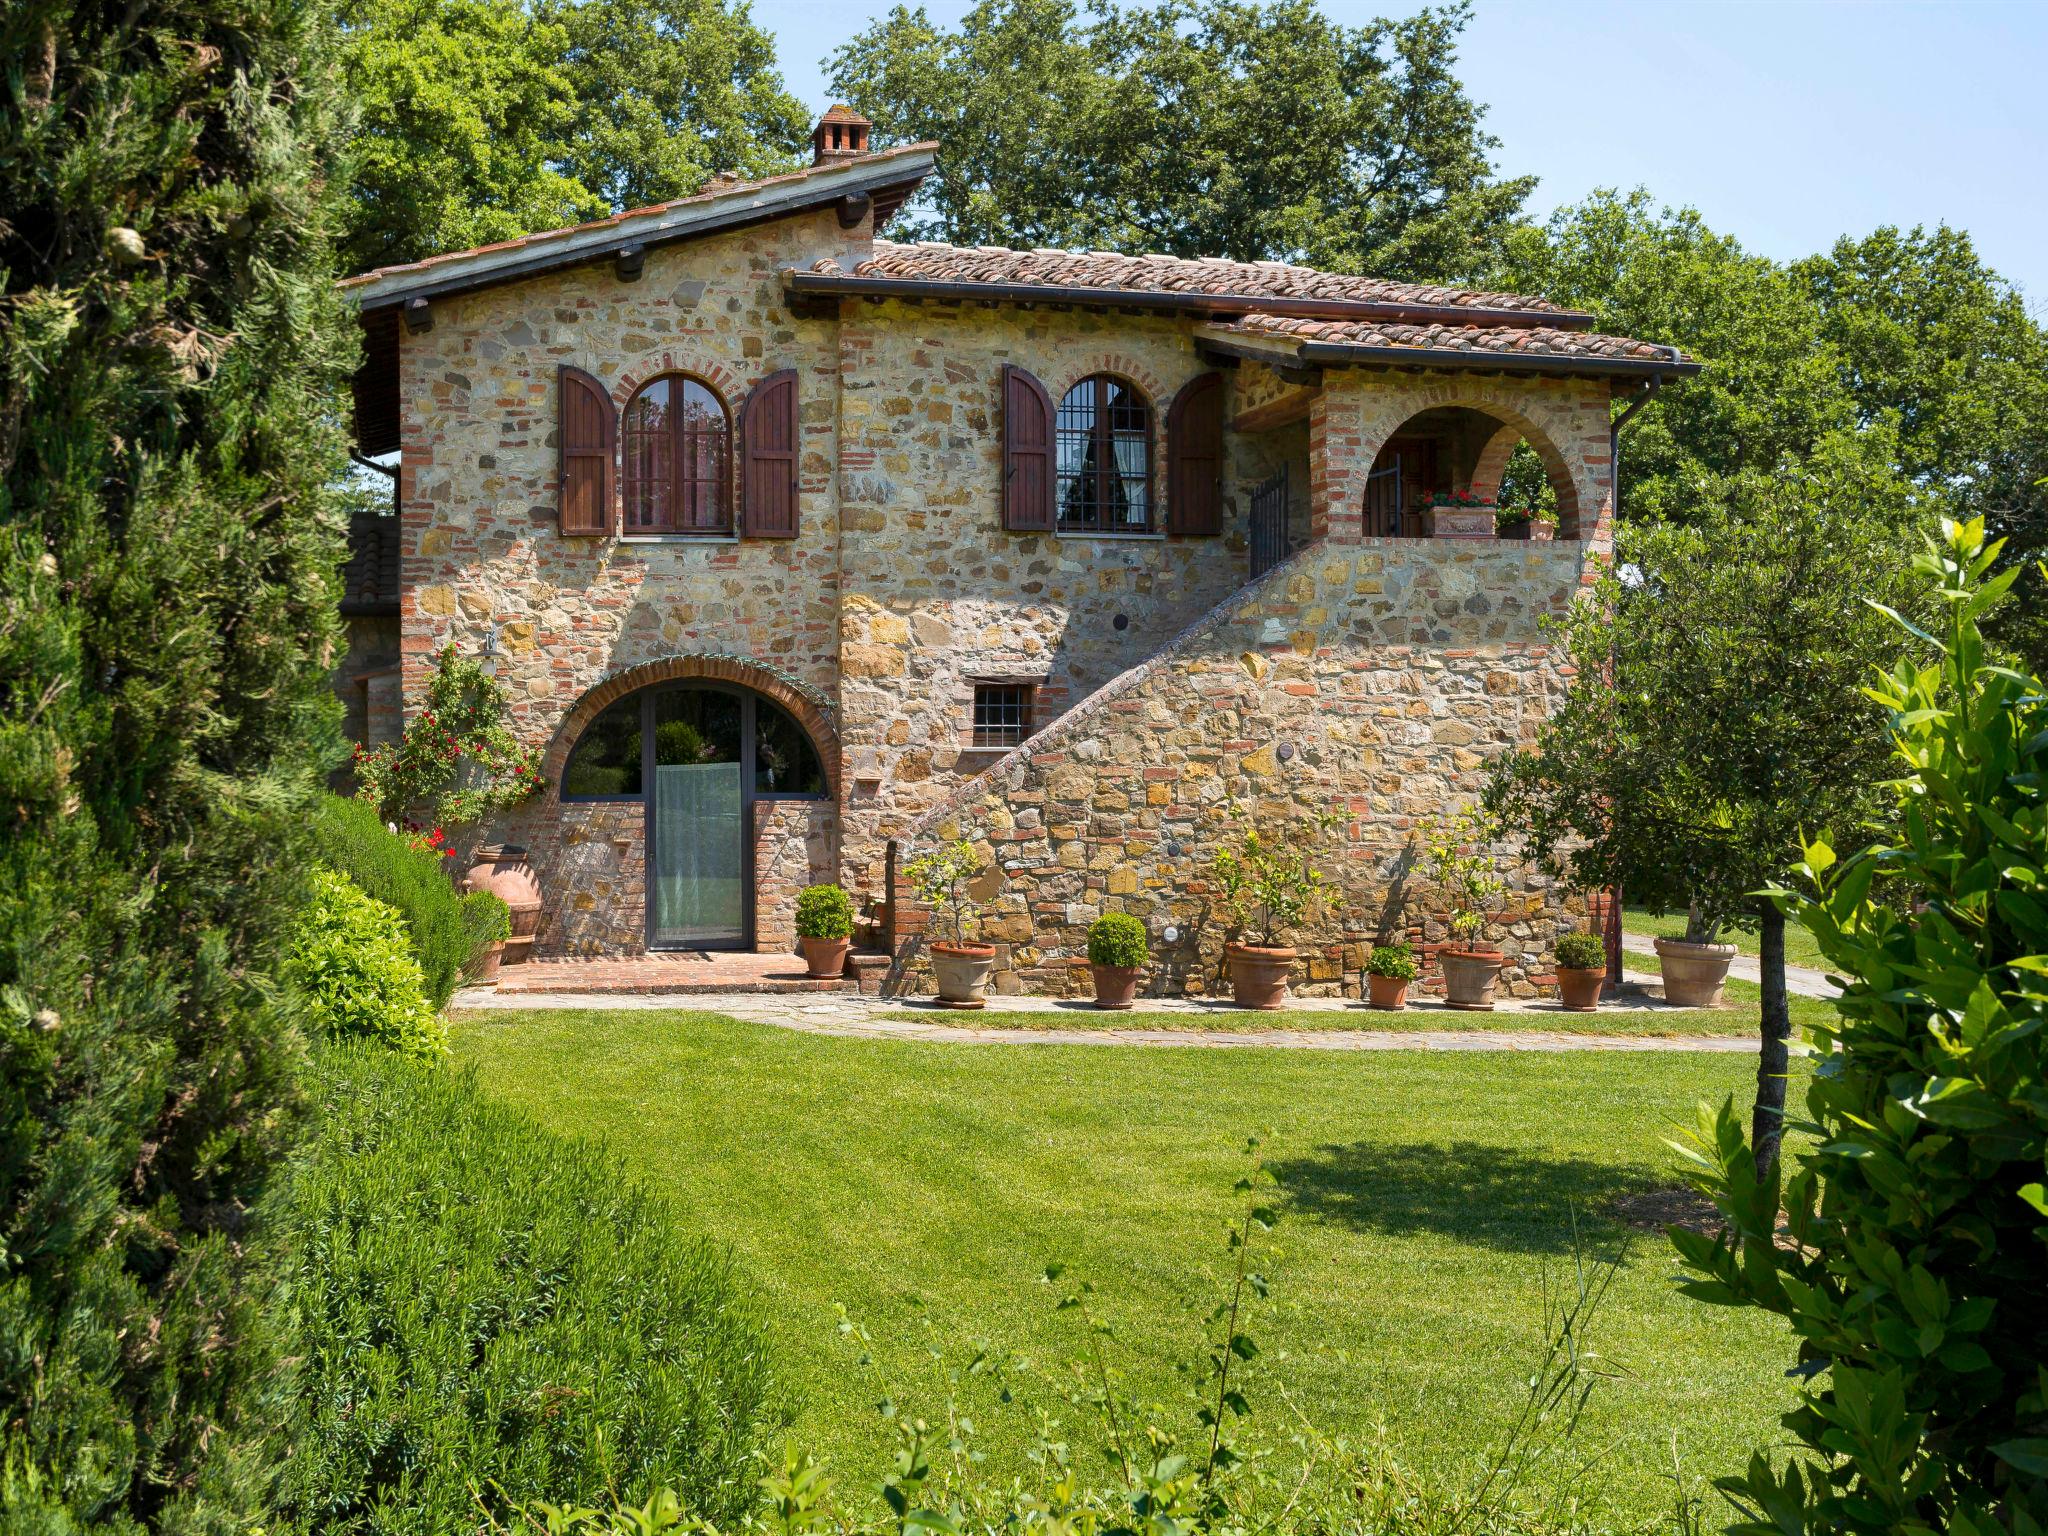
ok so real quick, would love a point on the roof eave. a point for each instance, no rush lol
(841, 285)
(1301, 352)
(877, 176)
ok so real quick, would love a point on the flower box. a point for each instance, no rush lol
(1461, 522)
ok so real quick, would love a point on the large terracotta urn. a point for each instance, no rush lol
(1694, 974)
(1259, 975)
(501, 869)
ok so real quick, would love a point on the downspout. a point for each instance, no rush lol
(1611, 938)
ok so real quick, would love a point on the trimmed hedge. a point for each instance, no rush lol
(478, 1307)
(382, 864)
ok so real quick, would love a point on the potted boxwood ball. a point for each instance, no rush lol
(1464, 871)
(960, 965)
(824, 927)
(487, 923)
(1268, 887)
(1117, 952)
(1388, 971)
(1581, 971)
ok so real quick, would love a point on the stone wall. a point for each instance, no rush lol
(937, 594)
(796, 843)
(372, 648)
(1370, 680)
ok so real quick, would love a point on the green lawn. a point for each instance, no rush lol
(1426, 1199)
(1236, 1021)
(1799, 947)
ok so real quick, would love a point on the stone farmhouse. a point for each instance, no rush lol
(799, 548)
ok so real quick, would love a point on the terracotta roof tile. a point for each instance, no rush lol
(1541, 341)
(716, 187)
(1165, 274)
(369, 582)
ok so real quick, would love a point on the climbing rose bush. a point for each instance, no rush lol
(458, 761)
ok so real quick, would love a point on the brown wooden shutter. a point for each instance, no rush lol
(1027, 453)
(1194, 458)
(586, 433)
(768, 458)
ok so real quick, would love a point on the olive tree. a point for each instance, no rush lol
(1716, 712)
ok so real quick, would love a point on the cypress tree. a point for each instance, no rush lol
(171, 357)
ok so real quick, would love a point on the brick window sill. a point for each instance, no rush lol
(679, 538)
(1086, 537)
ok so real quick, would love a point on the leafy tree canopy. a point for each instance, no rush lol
(1907, 338)
(1716, 714)
(479, 120)
(1192, 128)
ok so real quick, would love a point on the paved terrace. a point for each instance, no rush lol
(772, 990)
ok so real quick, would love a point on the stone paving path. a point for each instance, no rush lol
(1799, 980)
(857, 1017)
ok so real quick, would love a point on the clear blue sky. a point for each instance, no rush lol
(1786, 124)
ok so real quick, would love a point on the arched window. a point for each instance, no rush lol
(690, 725)
(677, 450)
(1105, 458)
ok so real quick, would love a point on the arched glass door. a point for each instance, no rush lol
(697, 756)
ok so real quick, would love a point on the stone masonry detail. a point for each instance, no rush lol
(1393, 668)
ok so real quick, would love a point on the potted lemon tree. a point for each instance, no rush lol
(1268, 886)
(960, 965)
(1117, 951)
(824, 927)
(1455, 849)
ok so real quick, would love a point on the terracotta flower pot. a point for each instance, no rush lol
(824, 958)
(1578, 990)
(502, 869)
(1470, 976)
(1116, 985)
(484, 969)
(1694, 973)
(962, 972)
(1258, 975)
(1461, 522)
(1388, 992)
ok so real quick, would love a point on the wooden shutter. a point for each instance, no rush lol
(1027, 453)
(768, 458)
(1194, 458)
(586, 435)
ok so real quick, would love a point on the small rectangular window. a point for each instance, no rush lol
(1002, 714)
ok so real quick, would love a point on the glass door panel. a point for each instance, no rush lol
(698, 870)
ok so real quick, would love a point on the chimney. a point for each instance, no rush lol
(842, 135)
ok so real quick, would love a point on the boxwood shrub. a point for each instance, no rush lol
(1581, 952)
(481, 1309)
(353, 971)
(1117, 938)
(355, 841)
(824, 912)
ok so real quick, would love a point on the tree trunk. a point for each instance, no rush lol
(1773, 1057)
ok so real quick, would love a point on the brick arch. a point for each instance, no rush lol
(793, 696)
(1565, 426)
(1119, 365)
(731, 387)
